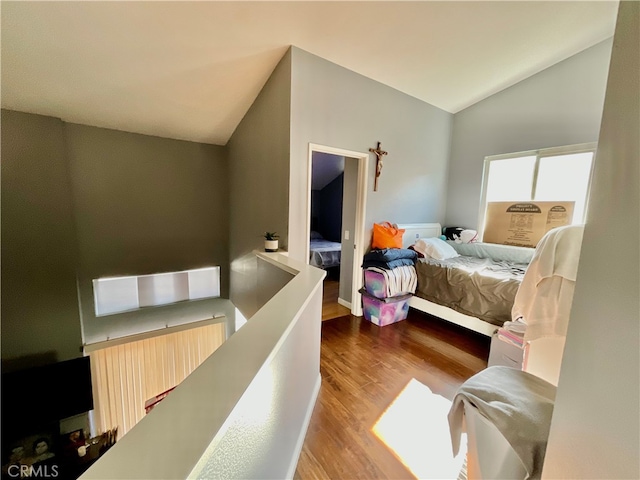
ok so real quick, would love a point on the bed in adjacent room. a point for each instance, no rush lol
(472, 285)
(323, 253)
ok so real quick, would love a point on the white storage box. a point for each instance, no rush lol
(504, 353)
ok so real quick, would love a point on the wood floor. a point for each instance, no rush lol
(330, 306)
(364, 368)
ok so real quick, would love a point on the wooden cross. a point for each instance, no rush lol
(379, 154)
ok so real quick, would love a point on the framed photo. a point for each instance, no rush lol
(30, 450)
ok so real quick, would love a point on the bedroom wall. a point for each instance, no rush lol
(348, 223)
(259, 182)
(595, 430)
(561, 105)
(330, 216)
(315, 209)
(40, 316)
(336, 107)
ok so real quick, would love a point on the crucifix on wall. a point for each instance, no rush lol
(379, 154)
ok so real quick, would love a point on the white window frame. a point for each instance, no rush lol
(540, 153)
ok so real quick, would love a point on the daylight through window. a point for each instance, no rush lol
(122, 294)
(557, 174)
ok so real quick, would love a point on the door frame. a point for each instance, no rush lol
(361, 203)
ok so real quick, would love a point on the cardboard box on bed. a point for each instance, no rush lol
(524, 223)
(384, 311)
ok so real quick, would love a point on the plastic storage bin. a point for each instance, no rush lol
(375, 284)
(384, 311)
(504, 353)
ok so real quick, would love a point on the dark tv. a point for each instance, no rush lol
(36, 397)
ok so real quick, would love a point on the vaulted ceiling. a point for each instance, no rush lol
(190, 70)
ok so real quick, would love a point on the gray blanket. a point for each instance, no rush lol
(519, 404)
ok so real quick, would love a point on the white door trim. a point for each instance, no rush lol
(361, 202)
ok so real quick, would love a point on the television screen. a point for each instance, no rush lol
(35, 397)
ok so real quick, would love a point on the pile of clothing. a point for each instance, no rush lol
(390, 280)
(512, 332)
(390, 272)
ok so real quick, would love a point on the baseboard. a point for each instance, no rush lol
(344, 303)
(303, 431)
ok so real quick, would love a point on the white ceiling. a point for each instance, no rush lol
(190, 70)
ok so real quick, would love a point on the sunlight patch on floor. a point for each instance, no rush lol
(415, 428)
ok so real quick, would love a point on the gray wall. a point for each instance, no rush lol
(145, 205)
(81, 202)
(596, 420)
(348, 223)
(39, 301)
(561, 105)
(259, 180)
(336, 107)
(271, 279)
(330, 214)
(315, 209)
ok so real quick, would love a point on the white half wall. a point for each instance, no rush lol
(595, 430)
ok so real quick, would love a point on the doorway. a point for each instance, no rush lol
(336, 199)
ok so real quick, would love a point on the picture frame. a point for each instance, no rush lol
(31, 450)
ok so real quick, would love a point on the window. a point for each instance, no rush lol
(121, 294)
(554, 174)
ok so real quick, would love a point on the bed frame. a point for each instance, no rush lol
(414, 231)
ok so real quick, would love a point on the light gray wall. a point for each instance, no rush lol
(259, 181)
(336, 107)
(146, 205)
(561, 105)
(39, 302)
(595, 429)
(348, 223)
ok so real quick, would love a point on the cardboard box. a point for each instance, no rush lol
(524, 223)
(384, 311)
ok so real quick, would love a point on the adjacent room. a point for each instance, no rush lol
(434, 173)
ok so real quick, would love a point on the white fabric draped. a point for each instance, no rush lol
(543, 301)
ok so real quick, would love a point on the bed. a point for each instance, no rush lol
(323, 253)
(475, 289)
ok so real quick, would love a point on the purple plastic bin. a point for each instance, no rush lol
(375, 284)
(384, 311)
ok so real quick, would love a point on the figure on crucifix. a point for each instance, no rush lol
(379, 154)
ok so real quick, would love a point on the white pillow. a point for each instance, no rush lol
(435, 248)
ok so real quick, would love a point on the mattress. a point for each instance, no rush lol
(324, 254)
(479, 287)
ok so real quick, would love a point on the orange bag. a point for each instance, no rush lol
(386, 235)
